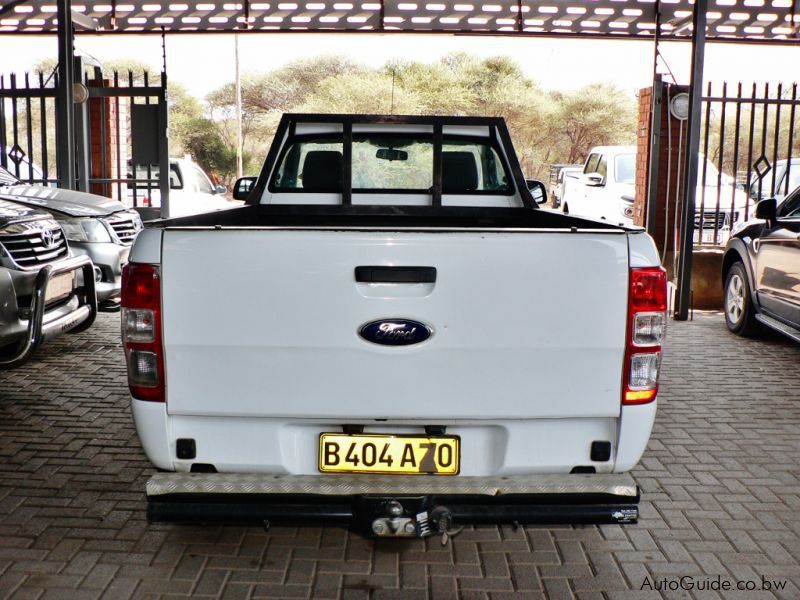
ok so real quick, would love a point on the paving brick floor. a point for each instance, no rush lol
(720, 481)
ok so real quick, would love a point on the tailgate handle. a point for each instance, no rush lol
(396, 274)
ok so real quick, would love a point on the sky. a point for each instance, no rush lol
(204, 62)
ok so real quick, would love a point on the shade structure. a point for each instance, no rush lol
(734, 20)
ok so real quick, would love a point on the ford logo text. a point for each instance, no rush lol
(395, 332)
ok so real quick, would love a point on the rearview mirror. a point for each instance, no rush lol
(243, 187)
(391, 154)
(594, 180)
(538, 190)
(767, 210)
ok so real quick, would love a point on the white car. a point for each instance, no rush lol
(761, 186)
(379, 337)
(191, 191)
(606, 187)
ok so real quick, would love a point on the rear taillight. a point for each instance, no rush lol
(647, 322)
(141, 331)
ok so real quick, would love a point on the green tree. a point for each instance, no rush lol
(369, 92)
(204, 142)
(595, 115)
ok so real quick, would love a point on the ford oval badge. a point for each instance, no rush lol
(395, 332)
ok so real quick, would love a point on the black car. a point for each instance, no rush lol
(761, 270)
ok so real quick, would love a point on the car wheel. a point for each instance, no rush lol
(739, 310)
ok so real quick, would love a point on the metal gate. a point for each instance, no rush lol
(750, 148)
(121, 146)
(27, 127)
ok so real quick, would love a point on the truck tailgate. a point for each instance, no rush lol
(265, 322)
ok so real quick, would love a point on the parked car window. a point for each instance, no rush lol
(175, 179)
(6, 177)
(591, 163)
(794, 180)
(791, 208)
(625, 168)
(602, 166)
(201, 181)
(28, 172)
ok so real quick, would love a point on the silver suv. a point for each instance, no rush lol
(98, 227)
(45, 291)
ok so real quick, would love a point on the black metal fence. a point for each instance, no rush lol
(121, 133)
(750, 151)
(27, 127)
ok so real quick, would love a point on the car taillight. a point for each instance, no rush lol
(646, 329)
(141, 330)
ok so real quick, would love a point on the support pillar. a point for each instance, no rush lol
(683, 294)
(660, 156)
(65, 101)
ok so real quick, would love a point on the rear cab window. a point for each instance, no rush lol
(390, 164)
(392, 167)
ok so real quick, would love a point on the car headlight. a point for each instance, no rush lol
(137, 220)
(85, 230)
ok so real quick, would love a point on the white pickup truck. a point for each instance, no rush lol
(605, 190)
(382, 335)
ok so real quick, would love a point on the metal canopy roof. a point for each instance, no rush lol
(734, 20)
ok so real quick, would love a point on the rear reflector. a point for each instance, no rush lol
(141, 331)
(647, 320)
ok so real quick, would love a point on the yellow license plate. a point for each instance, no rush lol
(389, 454)
(59, 287)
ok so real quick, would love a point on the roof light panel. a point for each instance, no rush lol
(764, 19)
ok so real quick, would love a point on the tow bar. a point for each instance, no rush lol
(393, 506)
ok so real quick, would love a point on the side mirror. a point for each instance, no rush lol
(767, 210)
(243, 187)
(594, 180)
(220, 189)
(538, 190)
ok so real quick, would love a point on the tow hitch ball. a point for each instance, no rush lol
(395, 520)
